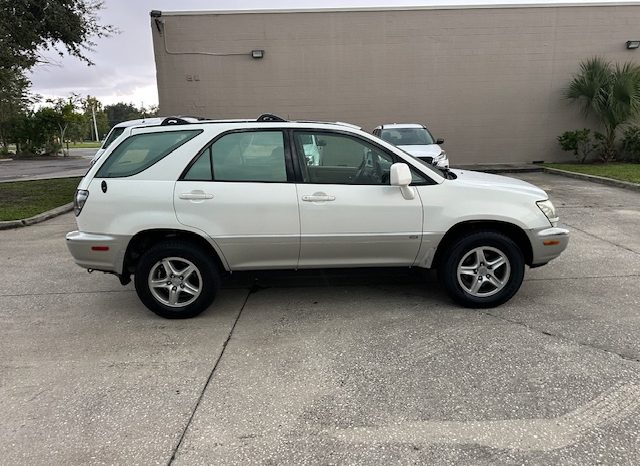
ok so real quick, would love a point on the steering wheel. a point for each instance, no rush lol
(366, 174)
(360, 171)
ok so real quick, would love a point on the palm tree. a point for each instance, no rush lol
(609, 92)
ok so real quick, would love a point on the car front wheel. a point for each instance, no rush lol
(483, 269)
(176, 280)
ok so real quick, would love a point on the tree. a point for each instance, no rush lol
(63, 114)
(117, 113)
(14, 101)
(27, 29)
(610, 93)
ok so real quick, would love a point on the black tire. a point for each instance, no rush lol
(448, 270)
(208, 276)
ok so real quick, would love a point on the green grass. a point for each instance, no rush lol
(618, 171)
(84, 145)
(23, 199)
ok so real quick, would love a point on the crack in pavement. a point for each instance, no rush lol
(560, 337)
(206, 384)
(602, 239)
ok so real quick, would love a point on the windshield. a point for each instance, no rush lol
(113, 135)
(407, 136)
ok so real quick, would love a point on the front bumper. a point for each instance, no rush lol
(547, 243)
(98, 252)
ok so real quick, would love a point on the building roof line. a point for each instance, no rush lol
(448, 6)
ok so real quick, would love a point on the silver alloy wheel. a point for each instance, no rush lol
(484, 271)
(175, 281)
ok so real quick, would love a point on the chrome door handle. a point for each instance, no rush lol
(196, 195)
(318, 197)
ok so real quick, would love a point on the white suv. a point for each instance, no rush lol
(415, 139)
(180, 204)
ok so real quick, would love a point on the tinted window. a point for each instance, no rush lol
(113, 135)
(245, 156)
(140, 151)
(407, 136)
(201, 168)
(341, 159)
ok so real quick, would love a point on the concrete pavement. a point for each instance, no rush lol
(330, 367)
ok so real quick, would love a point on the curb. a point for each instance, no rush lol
(49, 214)
(594, 179)
(556, 171)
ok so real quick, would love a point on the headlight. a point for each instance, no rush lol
(441, 155)
(79, 200)
(549, 210)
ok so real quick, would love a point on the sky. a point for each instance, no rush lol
(124, 68)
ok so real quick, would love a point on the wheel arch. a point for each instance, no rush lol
(143, 240)
(512, 231)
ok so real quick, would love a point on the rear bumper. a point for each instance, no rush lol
(547, 244)
(98, 252)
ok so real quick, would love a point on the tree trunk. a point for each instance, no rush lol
(609, 147)
(62, 131)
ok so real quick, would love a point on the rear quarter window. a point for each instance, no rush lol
(112, 136)
(138, 152)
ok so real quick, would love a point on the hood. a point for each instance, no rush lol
(488, 180)
(428, 150)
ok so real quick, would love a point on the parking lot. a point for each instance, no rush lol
(330, 367)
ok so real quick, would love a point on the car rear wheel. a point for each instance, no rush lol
(176, 280)
(483, 269)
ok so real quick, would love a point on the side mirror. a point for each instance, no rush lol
(400, 175)
(439, 141)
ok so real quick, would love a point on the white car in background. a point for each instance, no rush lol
(416, 140)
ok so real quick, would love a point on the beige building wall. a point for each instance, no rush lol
(488, 80)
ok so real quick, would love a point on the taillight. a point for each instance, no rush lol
(79, 200)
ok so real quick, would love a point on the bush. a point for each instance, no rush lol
(580, 142)
(631, 143)
(52, 148)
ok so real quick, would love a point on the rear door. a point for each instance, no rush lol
(240, 190)
(349, 213)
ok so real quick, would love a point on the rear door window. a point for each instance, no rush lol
(247, 156)
(138, 152)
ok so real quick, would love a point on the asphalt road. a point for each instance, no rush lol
(329, 367)
(76, 164)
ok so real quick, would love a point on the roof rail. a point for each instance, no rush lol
(173, 121)
(270, 117)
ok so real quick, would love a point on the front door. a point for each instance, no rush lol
(349, 213)
(240, 192)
